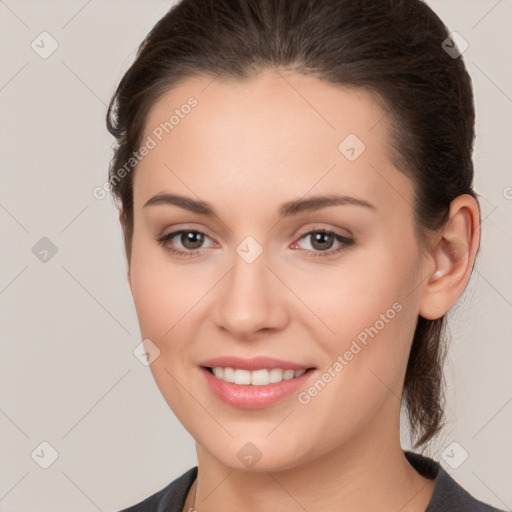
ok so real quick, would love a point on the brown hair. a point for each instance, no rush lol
(390, 47)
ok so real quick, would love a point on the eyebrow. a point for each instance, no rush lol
(289, 208)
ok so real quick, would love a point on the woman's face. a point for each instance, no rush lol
(301, 255)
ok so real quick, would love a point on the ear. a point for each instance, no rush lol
(453, 252)
(122, 221)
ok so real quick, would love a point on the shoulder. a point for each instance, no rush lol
(448, 495)
(169, 499)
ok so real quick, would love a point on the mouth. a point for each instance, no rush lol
(254, 383)
(262, 377)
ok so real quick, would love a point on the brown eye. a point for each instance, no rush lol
(321, 243)
(185, 242)
(192, 239)
(322, 240)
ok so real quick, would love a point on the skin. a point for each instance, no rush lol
(246, 148)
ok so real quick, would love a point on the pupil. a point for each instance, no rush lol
(193, 238)
(319, 237)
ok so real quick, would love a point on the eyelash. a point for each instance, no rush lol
(346, 242)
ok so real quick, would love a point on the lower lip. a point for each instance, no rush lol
(245, 396)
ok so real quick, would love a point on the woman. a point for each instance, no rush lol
(294, 179)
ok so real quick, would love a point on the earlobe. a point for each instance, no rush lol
(453, 255)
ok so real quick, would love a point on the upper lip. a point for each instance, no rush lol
(255, 363)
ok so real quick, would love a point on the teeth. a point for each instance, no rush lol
(276, 375)
(256, 377)
(288, 374)
(260, 377)
(242, 377)
(229, 375)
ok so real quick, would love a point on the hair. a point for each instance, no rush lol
(390, 48)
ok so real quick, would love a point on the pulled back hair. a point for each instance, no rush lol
(392, 48)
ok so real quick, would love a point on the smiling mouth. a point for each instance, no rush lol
(262, 377)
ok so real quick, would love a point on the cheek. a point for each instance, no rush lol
(371, 311)
(361, 294)
(163, 293)
(164, 297)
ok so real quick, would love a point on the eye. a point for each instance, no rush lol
(322, 241)
(190, 240)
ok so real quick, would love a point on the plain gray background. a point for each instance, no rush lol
(68, 327)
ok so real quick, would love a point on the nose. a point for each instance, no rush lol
(251, 300)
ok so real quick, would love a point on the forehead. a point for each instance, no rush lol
(276, 132)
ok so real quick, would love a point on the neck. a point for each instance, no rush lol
(369, 472)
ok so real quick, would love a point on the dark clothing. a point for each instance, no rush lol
(448, 495)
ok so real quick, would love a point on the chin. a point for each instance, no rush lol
(256, 456)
